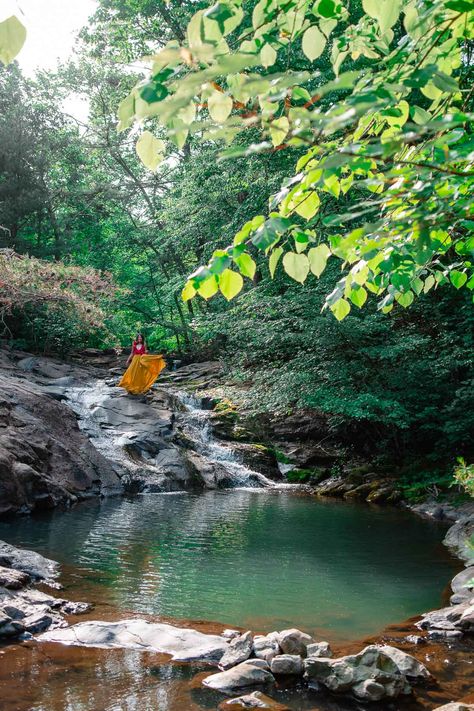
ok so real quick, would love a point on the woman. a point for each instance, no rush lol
(142, 369)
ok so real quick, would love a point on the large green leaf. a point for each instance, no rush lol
(12, 39)
(313, 43)
(296, 266)
(150, 150)
(318, 257)
(230, 283)
(219, 106)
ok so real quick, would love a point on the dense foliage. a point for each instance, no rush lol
(77, 197)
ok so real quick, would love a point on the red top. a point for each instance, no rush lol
(138, 348)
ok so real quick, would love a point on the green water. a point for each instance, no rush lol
(258, 559)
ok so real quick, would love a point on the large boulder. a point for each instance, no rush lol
(33, 564)
(287, 664)
(45, 459)
(293, 641)
(370, 675)
(266, 646)
(407, 665)
(462, 586)
(181, 643)
(239, 649)
(242, 676)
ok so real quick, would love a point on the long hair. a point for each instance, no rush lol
(143, 338)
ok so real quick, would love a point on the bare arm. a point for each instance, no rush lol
(129, 359)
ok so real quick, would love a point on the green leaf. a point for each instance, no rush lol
(208, 288)
(12, 39)
(313, 43)
(307, 204)
(296, 266)
(273, 261)
(188, 292)
(278, 130)
(340, 309)
(150, 150)
(458, 279)
(405, 299)
(126, 112)
(318, 257)
(268, 55)
(358, 296)
(326, 8)
(386, 12)
(246, 265)
(219, 106)
(230, 283)
(430, 281)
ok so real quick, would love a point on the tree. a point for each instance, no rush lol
(386, 178)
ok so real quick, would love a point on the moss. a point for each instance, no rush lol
(305, 476)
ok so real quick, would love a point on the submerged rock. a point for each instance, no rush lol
(255, 700)
(181, 643)
(242, 676)
(239, 649)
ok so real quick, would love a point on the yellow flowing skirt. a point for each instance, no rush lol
(142, 373)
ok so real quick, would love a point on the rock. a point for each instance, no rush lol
(260, 663)
(239, 649)
(266, 646)
(462, 586)
(242, 676)
(348, 674)
(255, 700)
(13, 579)
(9, 627)
(230, 634)
(415, 639)
(459, 536)
(293, 641)
(29, 562)
(38, 622)
(319, 649)
(408, 665)
(455, 706)
(181, 643)
(45, 459)
(456, 619)
(287, 664)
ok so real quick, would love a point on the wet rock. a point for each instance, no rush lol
(408, 665)
(230, 634)
(255, 700)
(266, 646)
(239, 649)
(30, 562)
(293, 641)
(455, 706)
(369, 675)
(260, 663)
(319, 649)
(13, 579)
(182, 644)
(287, 664)
(415, 639)
(242, 676)
(462, 586)
(457, 619)
(9, 627)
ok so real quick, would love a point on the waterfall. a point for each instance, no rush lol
(196, 423)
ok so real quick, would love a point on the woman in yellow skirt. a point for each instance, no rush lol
(142, 370)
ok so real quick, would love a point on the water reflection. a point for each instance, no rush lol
(258, 559)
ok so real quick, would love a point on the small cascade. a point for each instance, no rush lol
(197, 425)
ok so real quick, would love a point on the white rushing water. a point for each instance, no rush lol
(198, 426)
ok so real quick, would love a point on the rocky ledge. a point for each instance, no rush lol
(24, 610)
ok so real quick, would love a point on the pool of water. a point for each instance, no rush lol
(258, 559)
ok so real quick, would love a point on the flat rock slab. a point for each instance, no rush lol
(182, 644)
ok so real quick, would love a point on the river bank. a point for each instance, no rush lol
(175, 448)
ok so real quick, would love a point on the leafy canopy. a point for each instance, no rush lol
(379, 111)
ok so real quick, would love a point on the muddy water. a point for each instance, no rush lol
(253, 559)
